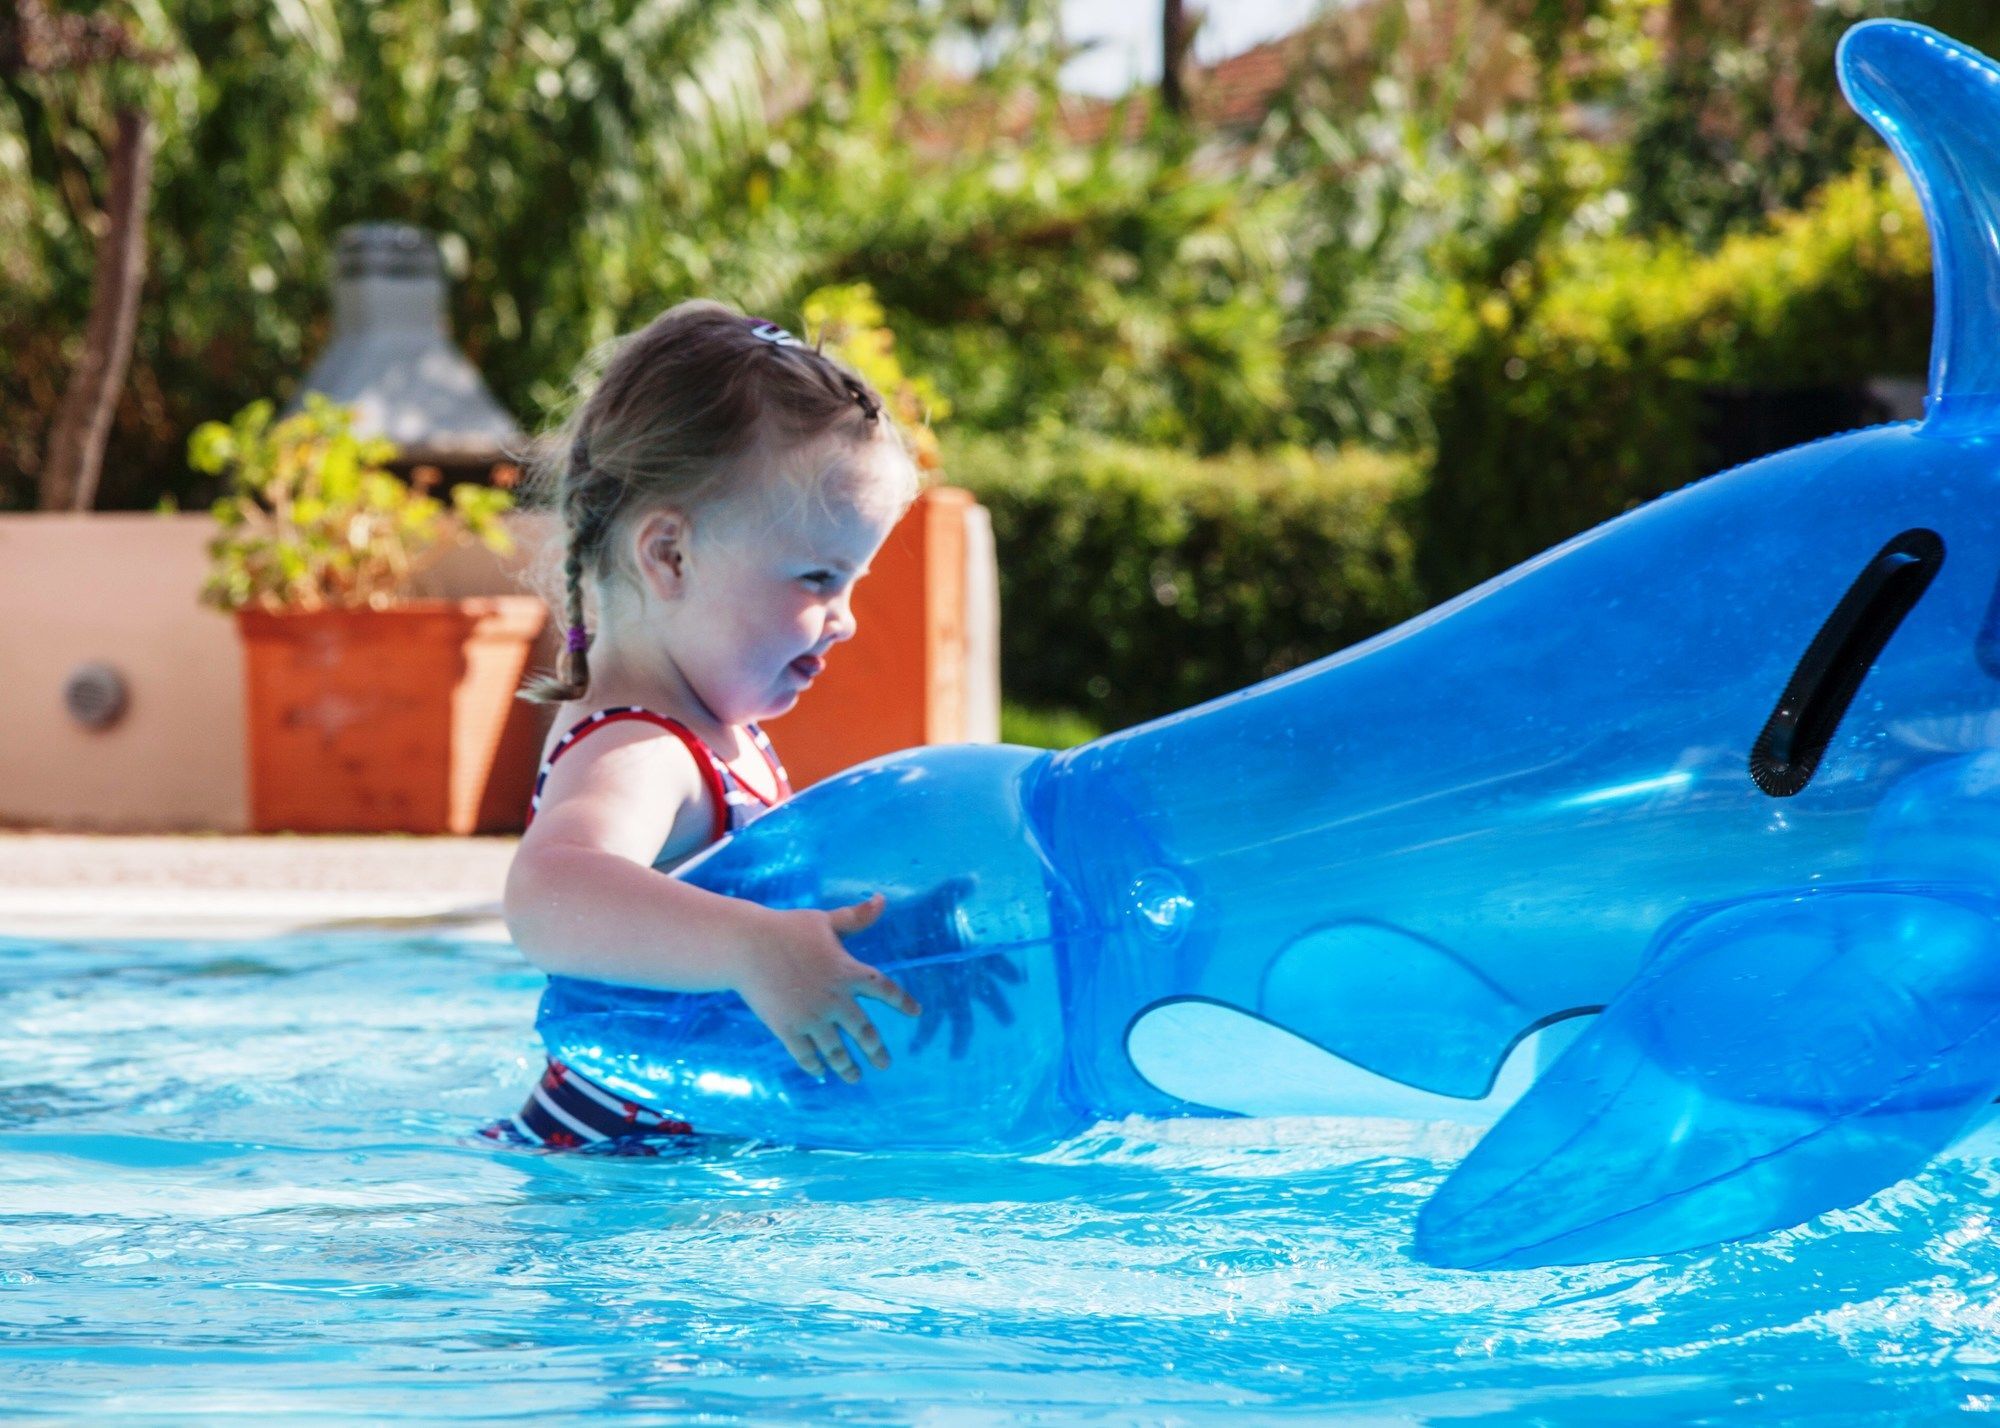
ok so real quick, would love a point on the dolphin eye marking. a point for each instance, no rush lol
(1787, 752)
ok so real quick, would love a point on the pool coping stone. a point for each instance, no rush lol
(84, 885)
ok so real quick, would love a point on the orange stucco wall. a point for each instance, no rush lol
(121, 589)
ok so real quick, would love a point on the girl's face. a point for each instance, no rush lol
(764, 590)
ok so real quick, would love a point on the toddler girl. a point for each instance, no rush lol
(724, 487)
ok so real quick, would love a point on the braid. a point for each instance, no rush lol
(573, 666)
(586, 522)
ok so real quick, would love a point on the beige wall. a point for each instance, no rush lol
(122, 589)
(119, 589)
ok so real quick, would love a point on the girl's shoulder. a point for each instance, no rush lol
(620, 769)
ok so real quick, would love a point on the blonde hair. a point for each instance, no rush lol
(666, 416)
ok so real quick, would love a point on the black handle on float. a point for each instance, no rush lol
(1829, 674)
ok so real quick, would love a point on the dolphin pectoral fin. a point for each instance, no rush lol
(1773, 1060)
(1215, 1055)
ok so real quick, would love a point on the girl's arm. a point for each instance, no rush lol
(583, 900)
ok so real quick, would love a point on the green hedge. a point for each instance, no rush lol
(1137, 580)
(1575, 392)
(1044, 728)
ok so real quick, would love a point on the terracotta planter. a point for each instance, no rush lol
(380, 721)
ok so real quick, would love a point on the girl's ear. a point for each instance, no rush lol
(660, 547)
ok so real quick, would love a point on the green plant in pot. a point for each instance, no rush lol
(370, 709)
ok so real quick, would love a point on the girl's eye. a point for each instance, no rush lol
(818, 579)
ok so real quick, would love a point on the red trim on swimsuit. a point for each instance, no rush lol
(716, 776)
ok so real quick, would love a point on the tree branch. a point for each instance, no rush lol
(83, 424)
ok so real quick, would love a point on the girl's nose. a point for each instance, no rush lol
(840, 619)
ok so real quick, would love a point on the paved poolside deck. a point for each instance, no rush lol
(91, 885)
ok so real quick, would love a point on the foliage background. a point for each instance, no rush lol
(1243, 393)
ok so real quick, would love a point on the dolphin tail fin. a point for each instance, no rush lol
(1937, 103)
(1772, 1060)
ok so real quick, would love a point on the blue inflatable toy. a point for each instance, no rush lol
(1710, 793)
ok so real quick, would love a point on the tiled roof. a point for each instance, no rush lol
(1236, 93)
(1232, 96)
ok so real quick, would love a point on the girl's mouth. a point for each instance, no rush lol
(807, 666)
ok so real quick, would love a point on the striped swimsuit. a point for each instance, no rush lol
(567, 1110)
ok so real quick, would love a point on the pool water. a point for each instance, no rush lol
(240, 1178)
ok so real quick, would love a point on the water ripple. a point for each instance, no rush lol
(240, 1179)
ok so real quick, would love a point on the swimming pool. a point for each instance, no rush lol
(238, 1178)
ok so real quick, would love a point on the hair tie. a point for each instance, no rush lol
(869, 406)
(579, 639)
(767, 331)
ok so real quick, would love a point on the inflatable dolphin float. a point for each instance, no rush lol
(1711, 793)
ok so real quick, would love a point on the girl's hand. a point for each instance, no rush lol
(802, 984)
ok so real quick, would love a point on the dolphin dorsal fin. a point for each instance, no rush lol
(1938, 105)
